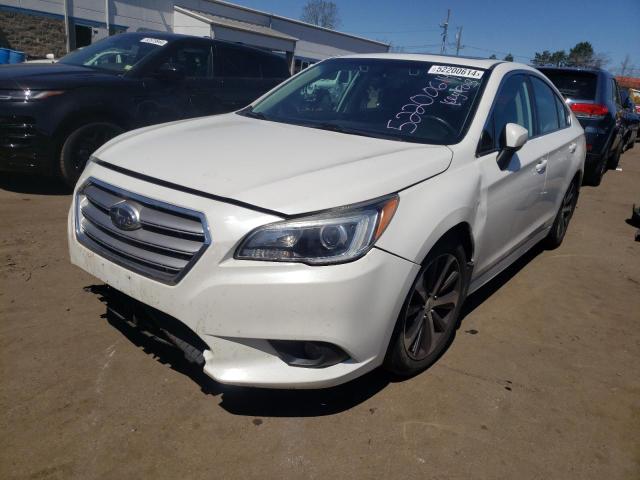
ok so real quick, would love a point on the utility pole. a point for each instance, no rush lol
(445, 30)
(106, 17)
(458, 41)
(65, 6)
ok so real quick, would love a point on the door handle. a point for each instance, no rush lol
(541, 166)
(572, 147)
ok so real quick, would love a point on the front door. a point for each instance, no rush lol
(514, 211)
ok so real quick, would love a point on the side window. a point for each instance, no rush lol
(236, 62)
(563, 114)
(193, 59)
(545, 107)
(616, 93)
(511, 105)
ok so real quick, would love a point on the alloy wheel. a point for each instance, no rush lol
(430, 313)
(566, 210)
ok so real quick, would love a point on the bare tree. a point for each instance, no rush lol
(624, 66)
(322, 13)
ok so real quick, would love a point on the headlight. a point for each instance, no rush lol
(27, 95)
(337, 236)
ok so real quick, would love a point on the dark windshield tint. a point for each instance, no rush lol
(118, 53)
(573, 84)
(405, 100)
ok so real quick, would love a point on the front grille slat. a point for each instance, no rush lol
(167, 244)
(169, 222)
(143, 237)
(130, 250)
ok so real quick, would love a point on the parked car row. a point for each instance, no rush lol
(53, 116)
(335, 224)
(606, 113)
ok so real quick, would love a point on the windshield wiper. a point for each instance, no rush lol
(248, 112)
(332, 127)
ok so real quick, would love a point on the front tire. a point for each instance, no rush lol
(79, 145)
(430, 314)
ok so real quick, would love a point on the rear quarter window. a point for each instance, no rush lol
(574, 84)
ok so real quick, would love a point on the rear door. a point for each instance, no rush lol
(553, 134)
(616, 102)
(194, 57)
(513, 194)
(238, 69)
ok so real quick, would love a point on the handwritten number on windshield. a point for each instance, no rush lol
(410, 115)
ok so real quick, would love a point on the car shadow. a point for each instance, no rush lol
(32, 184)
(478, 297)
(256, 402)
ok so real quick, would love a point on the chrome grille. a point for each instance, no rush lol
(165, 244)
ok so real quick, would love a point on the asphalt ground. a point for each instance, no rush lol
(542, 381)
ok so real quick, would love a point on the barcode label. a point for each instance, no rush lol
(456, 71)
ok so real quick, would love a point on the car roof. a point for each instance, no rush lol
(553, 68)
(178, 36)
(161, 35)
(483, 63)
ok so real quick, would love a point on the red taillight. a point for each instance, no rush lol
(589, 109)
(589, 147)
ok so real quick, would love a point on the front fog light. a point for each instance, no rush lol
(308, 354)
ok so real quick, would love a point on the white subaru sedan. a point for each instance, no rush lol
(339, 222)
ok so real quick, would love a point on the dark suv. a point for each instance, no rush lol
(594, 97)
(52, 117)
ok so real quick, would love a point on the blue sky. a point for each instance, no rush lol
(498, 26)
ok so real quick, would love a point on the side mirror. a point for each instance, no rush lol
(169, 73)
(515, 136)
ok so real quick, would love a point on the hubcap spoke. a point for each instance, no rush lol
(443, 273)
(439, 322)
(449, 282)
(450, 298)
(428, 317)
(421, 289)
(418, 336)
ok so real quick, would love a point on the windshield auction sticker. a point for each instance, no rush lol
(155, 41)
(456, 71)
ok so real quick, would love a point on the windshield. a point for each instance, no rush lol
(117, 54)
(398, 99)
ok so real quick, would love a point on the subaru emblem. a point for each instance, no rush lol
(125, 216)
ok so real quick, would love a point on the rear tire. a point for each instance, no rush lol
(79, 145)
(563, 217)
(431, 312)
(594, 178)
(614, 160)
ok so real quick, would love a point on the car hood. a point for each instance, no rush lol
(285, 168)
(37, 76)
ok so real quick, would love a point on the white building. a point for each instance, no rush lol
(86, 21)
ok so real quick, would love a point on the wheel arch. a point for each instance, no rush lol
(79, 118)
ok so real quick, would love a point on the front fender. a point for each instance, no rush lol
(440, 204)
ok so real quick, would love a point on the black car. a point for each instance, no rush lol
(594, 97)
(52, 117)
